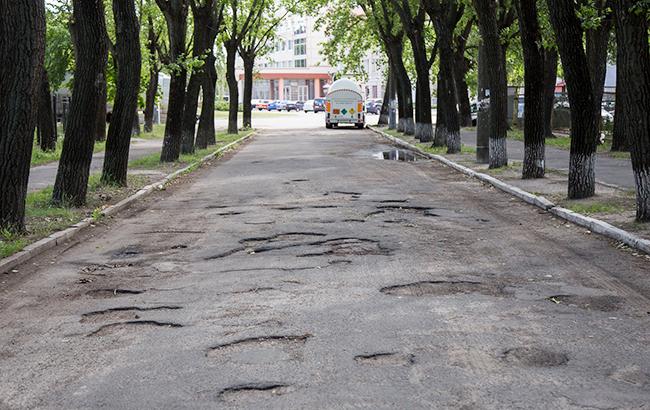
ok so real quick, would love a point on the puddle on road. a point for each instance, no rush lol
(396, 155)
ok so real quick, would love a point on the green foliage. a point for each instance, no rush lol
(59, 52)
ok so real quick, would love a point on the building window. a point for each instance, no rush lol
(300, 30)
(290, 44)
(301, 63)
(299, 47)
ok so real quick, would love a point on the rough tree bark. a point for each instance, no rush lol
(403, 85)
(175, 12)
(531, 43)
(90, 47)
(461, 68)
(550, 78)
(154, 69)
(127, 53)
(233, 90)
(486, 12)
(206, 134)
(249, 63)
(585, 114)
(47, 134)
(22, 43)
(634, 64)
(414, 29)
(202, 13)
(597, 40)
(445, 15)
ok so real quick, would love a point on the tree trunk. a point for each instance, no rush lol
(127, 53)
(634, 64)
(531, 43)
(90, 46)
(550, 78)
(189, 112)
(152, 85)
(620, 140)
(483, 110)
(233, 91)
(22, 48)
(383, 113)
(249, 63)
(206, 133)
(585, 115)
(461, 68)
(486, 11)
(175, 12)
(392, 101)
(100, 119)
(46, 117)
(403, 86)
(597, 41)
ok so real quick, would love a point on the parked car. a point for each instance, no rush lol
(292, 106)
(373, 106)
(275, 105)
(308, 106)
(319, 104)
(300, 105)
(262, 105)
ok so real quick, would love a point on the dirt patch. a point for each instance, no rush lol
(602, 303)
(534, 357)
(121, 313)
(442, 288)
(131, 326)
(386, 359)
(253, 391)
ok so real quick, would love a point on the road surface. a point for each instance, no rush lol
(304, 272)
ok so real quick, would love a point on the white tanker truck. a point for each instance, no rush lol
(344, 104)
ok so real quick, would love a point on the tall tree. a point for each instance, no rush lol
(634, 65)
(206, 133)
(585, 113)
(462, 65)
(129, 64)
(88, 30)
(256, 42)
(531, 42)
(241, 15)
(486, 10)
(550, 79)
(413, 17)
(206, 27)
(175, 12)
(445, 15)
(22, 46)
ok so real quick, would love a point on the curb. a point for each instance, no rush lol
(60, 237)
(594, 225)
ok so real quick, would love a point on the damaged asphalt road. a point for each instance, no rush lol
(305, 272)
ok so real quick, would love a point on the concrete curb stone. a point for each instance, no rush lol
(60, 237)
(593, 224)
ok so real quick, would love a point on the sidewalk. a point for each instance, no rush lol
(615, 171)
(43, 176)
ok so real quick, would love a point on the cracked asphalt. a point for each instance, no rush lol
(303, 272)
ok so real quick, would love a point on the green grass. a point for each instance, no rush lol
(152, 161)
(40, 157)
(594, 208)
(427, 147)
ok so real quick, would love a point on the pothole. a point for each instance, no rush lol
(396, 155)
(106, 293)
(602, 303)
(253, 391)
(282, 237)
(386, 358)
(127, 252)
(229, 213)
(131, 326)
(121, 313)
(442, 288)
(534, 357)
(347, 246)
(93, 269)
(260, 350)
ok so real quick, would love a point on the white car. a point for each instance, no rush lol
(308, 106)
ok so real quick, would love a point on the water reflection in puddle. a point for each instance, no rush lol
(396, 155)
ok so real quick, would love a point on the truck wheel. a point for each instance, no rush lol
(328, 125)
(359, 126)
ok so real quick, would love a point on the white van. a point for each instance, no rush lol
(344, 104)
